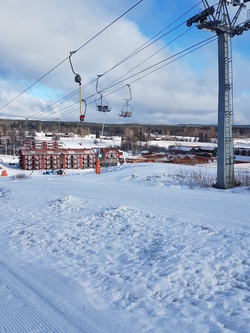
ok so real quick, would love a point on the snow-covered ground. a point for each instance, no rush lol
(75, 141)
(134, 249)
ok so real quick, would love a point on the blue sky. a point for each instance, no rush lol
(37, 36)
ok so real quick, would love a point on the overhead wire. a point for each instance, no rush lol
(79, 48)
(171, 59)
(63, 99)
(21, 93)
(188, 51)
(148, 43)
(109, 25)
(94, 80)
(151, 41)
(113, 83)
(179, 54)
(151, 56)
(207, 41)
(141, 48)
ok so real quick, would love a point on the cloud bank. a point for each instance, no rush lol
(37, 36)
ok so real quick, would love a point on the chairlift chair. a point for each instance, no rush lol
(127, 109)
(79, 81)
(103, 105)
(82, 115)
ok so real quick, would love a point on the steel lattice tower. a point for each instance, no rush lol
(219, 22)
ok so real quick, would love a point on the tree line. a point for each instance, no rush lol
(15, 131)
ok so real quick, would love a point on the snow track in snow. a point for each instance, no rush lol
(133, 250)
(39, 311)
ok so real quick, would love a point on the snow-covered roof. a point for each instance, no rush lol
(75, 142)
(182, 148)
(206, 148)
(242, 159)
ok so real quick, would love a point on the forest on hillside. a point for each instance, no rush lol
(14, 132)
(205, 132)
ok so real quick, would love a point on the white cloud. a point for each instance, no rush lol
(39, 35)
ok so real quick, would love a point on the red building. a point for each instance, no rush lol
(53, 157)
(187, 159)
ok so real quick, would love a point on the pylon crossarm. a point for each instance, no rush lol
(236, 16)
(206, 5)
(218, 11)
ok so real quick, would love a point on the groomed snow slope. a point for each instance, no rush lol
(130, 250)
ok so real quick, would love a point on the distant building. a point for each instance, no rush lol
(51, 155)
(187, 159)
(242, 151)
(204, 151)
(180, 150)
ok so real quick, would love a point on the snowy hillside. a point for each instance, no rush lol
(134, 249)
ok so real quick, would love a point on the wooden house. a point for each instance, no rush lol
(187, 159)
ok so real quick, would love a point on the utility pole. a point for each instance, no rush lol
(219, 22)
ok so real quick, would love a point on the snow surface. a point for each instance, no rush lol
(88, 141)
(137, 248)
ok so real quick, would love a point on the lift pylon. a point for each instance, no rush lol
(219, 22)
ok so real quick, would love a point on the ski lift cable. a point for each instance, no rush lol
(50, 117)
(142, 47)
(162, 61)
(42, 77)
(64, 99)
(60, 63)
(113, 83)
(149, 42)
(135, 52)
(151, 56)
(95, 94)
(173, 60)
(57, 113)
(205, 42)
(213, 39)
(181, 54)
(109, 25)
(199, 45)
(59, 102)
